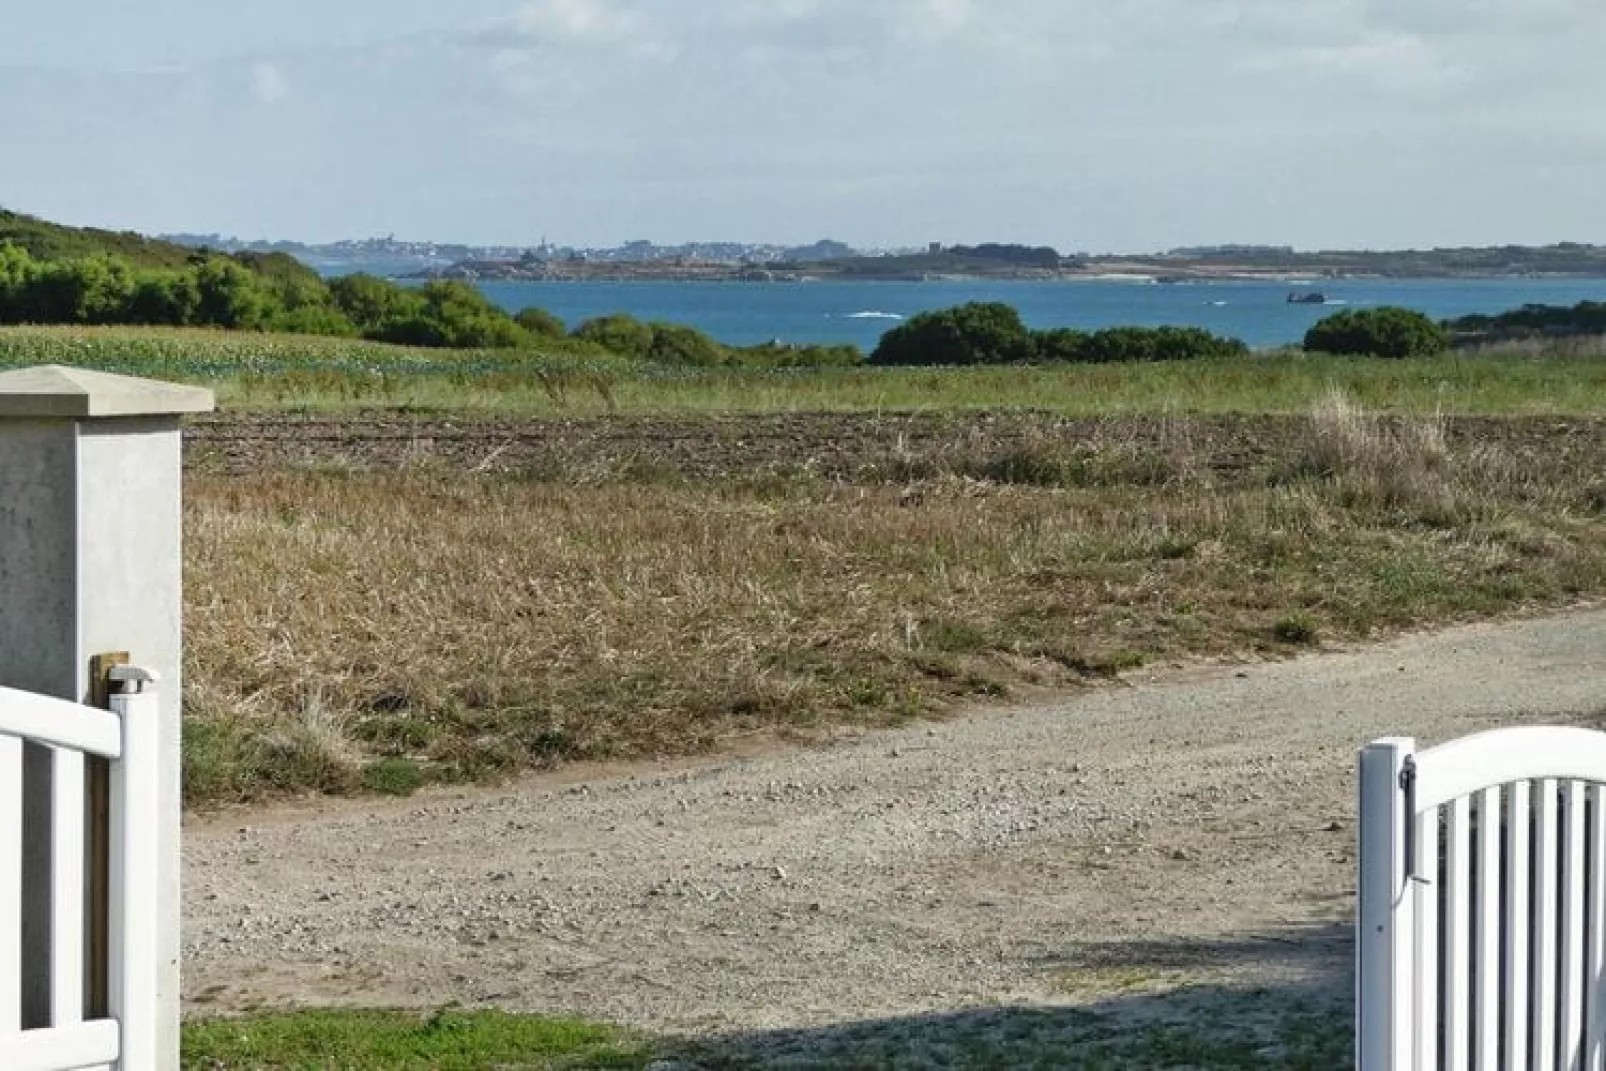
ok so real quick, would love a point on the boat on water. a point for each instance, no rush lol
(1306, 297)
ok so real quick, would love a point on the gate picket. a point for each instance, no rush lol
(10, 884)
(123, 1042)
(1495, 932)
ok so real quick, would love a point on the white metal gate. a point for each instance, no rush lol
(127, 736)
(1481, 934)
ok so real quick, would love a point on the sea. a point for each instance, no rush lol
(745, 314)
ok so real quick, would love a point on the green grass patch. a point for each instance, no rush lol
(1211, 1032)
(393, 777)
(449, 1040)
(276, 371)
(1299, 629)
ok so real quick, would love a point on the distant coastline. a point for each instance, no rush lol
(1298, 271)
(705, 262)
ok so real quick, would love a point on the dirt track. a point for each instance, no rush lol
(1193, 826)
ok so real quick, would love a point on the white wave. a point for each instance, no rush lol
(874, 315)
(1217, 304)
(1335, 301)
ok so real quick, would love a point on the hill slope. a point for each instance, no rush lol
(48, 241)
(52, 241)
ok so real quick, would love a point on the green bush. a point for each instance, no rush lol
(1382, 332)
(1117, 344)
(231, 295)
(618, 333)
(1062, 344)
(371, 303)
(675, 344)
(790, 355)
(987, 332)
(541, 323)
(171, 298)
(454, 314)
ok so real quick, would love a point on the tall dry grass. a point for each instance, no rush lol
(349, 628)
(1377, 463)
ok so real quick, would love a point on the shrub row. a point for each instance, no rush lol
(1530, 322)
(992, 333)
(677, 344)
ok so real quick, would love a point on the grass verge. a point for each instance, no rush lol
(352, 629)
(1242, 1035)
(449, 1040)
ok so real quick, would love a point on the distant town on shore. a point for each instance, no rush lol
(743, 262)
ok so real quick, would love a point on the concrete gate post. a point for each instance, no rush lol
(91, 562)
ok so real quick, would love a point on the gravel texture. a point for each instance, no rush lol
(1190, 830)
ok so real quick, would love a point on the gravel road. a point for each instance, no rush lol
(1193, 823)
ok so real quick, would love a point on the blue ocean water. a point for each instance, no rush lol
(744, 314)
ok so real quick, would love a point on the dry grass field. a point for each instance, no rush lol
(377, 603)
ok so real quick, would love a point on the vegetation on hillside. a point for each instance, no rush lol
(254, 292)
(52, 241)
(274, 293)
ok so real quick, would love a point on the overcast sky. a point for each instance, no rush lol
(1086, 124)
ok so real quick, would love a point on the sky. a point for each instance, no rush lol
(1089, 125)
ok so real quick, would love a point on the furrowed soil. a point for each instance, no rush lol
(841, 446)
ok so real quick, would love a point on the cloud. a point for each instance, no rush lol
(1089, 123)
(541, 22)
(267, 83)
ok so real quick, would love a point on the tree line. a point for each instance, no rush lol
(991, 332)
(1530, 322)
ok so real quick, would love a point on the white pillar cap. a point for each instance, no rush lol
(59, 391)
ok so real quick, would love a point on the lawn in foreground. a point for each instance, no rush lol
(1245, 1035)
(449, 1040)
